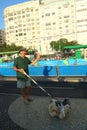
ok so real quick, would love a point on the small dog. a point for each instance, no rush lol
(59, 108)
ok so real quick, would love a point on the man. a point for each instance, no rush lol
(23, 82)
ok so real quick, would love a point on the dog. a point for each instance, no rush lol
(59, 109)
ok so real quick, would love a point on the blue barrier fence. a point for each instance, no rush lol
(6, 69)
(80, 70)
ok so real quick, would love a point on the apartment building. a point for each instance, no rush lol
(2, 37)
(22, 24)
(36, 23)
(81, 21)
(58, 20)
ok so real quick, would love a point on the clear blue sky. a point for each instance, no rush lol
(3, 5)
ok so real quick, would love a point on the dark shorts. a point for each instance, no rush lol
(23, 84)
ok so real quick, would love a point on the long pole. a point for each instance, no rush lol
(37, 84)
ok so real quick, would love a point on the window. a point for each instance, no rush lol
(20, 34)
(66, 16)
(10, 19)
(48, 14)
(53, 13)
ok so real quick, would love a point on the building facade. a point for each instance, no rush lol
(81, 21)
(2, 37)
(36, 23)
(57, 21)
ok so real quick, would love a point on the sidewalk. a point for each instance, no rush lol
(35, 116)
(50, 78)
(5, 122)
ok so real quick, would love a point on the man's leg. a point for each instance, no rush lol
(23, 94)
(21, 85)
(22, 91)
(27, 91)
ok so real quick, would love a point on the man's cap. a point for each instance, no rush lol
(22, 49)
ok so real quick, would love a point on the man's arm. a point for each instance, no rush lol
(18, 70)
(37, 58)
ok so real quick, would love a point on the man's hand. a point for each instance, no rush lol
(38, 56)
(21, 70)
(18, 70)
(36, 59)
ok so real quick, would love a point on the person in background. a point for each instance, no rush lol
(23, 82)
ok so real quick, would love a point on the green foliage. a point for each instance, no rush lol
(53, 45)
(59, 45)
(12, 47)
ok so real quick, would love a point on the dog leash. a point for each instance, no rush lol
(37, 84)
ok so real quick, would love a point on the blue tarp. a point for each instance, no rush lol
(50, 68)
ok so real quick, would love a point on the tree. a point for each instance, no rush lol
(59, 45)
(71, 43)
(11, 47)
(53, 45)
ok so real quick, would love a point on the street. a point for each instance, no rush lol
(59, 89)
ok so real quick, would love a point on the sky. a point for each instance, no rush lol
(3, 5)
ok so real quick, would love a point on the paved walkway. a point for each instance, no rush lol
(5, 121)
(35, 116)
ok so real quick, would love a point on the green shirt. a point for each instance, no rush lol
(22, 63)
